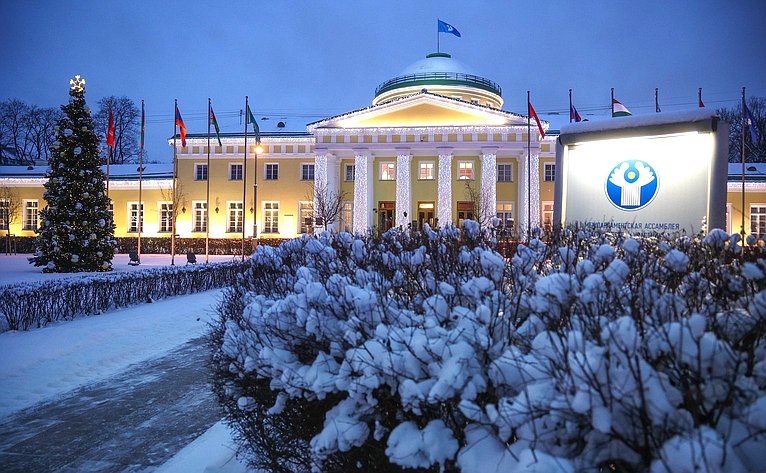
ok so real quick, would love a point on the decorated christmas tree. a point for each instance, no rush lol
(76, 228)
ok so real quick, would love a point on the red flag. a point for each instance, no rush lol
(180, 124)
(532, 113)
(702, 104)
(110, 133)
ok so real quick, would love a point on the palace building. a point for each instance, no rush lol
(434, 146)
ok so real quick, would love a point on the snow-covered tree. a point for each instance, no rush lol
(76, 231)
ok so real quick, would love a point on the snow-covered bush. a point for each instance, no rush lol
(429, 350)
(29, 305)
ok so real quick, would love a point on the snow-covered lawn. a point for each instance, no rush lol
(16, 268)
(44, 364)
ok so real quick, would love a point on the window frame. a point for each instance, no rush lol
(135, 226)
(421, 165)
(390, 176)
(197, 167)
(232, 166)
(761, 218)
(5, 214)
(505, 165)
(232, 212)
(275, 167)
(472, 167)
(201, 226)
(306, 166)
(161, 217)
(346, 168)
(274, 228)
(26, 215)
(549, 176)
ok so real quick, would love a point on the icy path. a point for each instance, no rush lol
(41, 364)
(131, 422)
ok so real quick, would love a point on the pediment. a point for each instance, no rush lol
(423, 109)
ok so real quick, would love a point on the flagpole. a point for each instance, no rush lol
(174, 202)
(742, 231)
(612, 102)
(699, 96)
(244, 182)
(108, 152)
(437, 35)
(207, 191)
(570, 105)
(529, 170)
(656, 100)
(140, 182)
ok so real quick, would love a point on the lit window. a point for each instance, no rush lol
(306, 212)
(5, 214)
(505, 173)
(505, 218)
(426, 171)
(350, 172)
(200, 217)
(758, 220)
(465, 170)
(271, 217)
(236, 211)
(135, 217)
(547, 216)
(235, 172)
(272, 172)
(166, 217)
(347, 216)
(30, 215)
(388, 171)
(200, 172)
(549, 172)
(307, 172)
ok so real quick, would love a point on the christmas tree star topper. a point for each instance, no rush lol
(77, 84)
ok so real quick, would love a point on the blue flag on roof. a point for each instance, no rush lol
(751, 124)
(447, 28)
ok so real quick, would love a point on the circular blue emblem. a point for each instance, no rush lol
(631, 185)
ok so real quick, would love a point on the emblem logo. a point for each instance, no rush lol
(631, 185)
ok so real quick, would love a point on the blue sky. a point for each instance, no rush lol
(300, 61)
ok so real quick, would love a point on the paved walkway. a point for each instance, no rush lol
(134, 421)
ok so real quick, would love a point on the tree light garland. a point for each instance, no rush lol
(361, 197)
(488, 187)
(403, 189)
(444, 190)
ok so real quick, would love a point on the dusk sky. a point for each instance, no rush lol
(300, 61)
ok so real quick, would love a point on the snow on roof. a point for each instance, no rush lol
(655, 119)
(116, 171)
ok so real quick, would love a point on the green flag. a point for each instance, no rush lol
(214, 122)
(256, 130)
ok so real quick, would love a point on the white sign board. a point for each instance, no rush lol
(643, 175)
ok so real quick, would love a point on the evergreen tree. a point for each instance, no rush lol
(76, 228)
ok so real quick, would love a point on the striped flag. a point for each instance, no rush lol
(532, 113)
(619, 110)
(182, 126)
(574, 115)
(256, 130)
(214, 122)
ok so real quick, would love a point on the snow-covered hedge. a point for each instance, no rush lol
(27, 305)
(599, 352)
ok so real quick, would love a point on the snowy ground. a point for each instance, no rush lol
(16, 268)
(75, 354)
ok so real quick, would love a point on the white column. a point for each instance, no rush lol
(521, 208)
(535, 189)
(529, 192)
(444, 188)
(363, 199)
(403, 189)
(488, 192)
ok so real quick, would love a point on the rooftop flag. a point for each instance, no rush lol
(619, 110)
(214, 122)
(447, 28)
(110, 131)
(182, 126)
(533, 114)
(751, 124)
(574, 115)
(256, 130)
